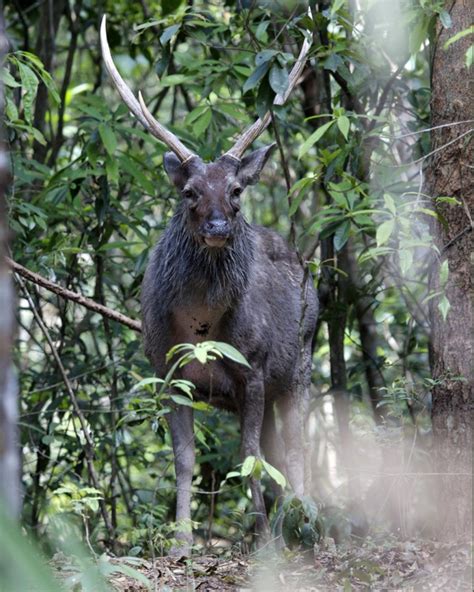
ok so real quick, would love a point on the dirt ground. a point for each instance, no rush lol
(410, 565)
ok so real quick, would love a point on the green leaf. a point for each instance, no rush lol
(458, 36)
(313, 138)
(29, 83)
(202, 123)
(469, 58)
(384, 232)
(417, 36)
(195, 114)
(201, 354)
(230, 352)
(274, 474)
(444, 273)
(333, 62)
(169, 6)
(38, 136)
(10, 110)
(344, 124)
(146, 382)
(389, 203)
(136, 171)
(181, 400)
(444, 307)
(264, 56)
(405, 257)
(111, 166)
(261, 31)
(336, 5)
(8, 79)
(341, 235)
(295, 203)
(278, 79)
(445, 19)
(255, 77)
(168, 33)
(108, 138)
(174, 79)
(248, 466)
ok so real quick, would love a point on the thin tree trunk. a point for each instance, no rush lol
(9, 452)
(368, 337)
(450, 174)
(45, 50)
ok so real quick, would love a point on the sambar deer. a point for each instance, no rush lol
(214, 276)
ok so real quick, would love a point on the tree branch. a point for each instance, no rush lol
(74, 296)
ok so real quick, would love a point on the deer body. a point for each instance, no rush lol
(214, 276)
(260, 317)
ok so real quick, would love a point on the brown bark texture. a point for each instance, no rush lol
(449, 173)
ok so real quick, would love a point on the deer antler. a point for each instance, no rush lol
(252, 133)
(139, 109)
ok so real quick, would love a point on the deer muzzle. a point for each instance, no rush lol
(216, 232)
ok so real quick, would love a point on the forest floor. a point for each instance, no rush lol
(393, 565)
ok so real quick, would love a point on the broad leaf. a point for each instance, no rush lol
(248, 466)
(230, 352)
(255, 77)
(384, 232)
(278, 79)
(313, 138)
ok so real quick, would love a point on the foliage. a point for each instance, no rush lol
(90, 199)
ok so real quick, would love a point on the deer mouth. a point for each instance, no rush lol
(215, 241)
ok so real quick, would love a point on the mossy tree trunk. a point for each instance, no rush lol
(449, 174)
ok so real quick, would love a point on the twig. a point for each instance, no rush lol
(74, 296)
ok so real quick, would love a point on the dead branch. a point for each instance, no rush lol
(74, 296)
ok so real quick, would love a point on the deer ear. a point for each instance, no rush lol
(175, 170)
(251, 165)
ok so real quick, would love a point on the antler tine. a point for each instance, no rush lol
(139, 109)
(252, 133)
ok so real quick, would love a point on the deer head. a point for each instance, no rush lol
(211, 191)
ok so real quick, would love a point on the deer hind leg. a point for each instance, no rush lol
(294, 409)
(251, 419)
(273, 446)
(293, 426)
(181, 422)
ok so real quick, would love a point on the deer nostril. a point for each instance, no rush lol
(217, 226)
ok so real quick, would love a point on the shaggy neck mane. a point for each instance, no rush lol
(218, 276)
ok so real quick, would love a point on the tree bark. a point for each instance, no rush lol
(9, 452)
(449, 174)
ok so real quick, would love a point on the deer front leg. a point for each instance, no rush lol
(251, 429)
(181, 423)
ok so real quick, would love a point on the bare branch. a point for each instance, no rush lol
(74, 296)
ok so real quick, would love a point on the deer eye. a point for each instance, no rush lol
(236, 191)
(189, 193)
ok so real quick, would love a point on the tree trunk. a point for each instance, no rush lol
(9, 454)
(449, 174)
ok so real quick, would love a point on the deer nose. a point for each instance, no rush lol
(217, 227)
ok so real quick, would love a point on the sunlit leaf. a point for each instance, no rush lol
(344, 124)
(248, 466)
(444, 306)
(384, 232)
(230, 352)
(274, 474)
